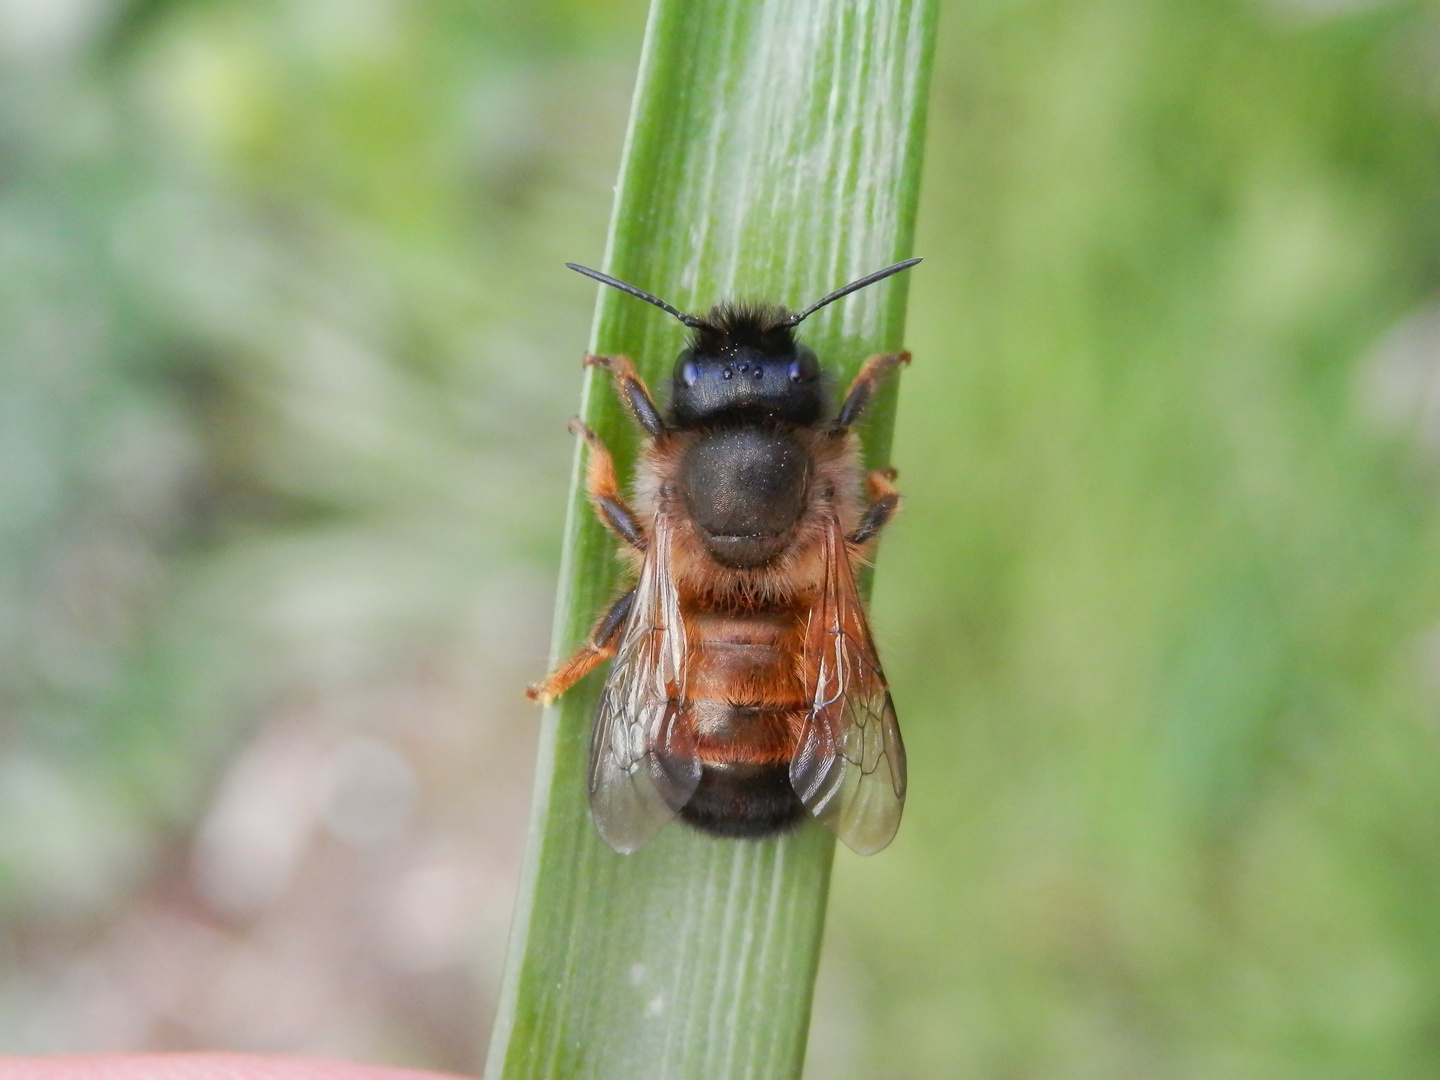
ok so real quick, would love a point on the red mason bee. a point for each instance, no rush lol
(746, 692)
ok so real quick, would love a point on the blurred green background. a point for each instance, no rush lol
(286, 353)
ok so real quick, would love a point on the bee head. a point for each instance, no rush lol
(743, 360)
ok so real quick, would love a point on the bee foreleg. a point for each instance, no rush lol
(603, 487)
(884, 501)
(632, 391)
(857, 398)
(589, 656)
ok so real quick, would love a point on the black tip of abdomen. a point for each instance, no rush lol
(744, 801)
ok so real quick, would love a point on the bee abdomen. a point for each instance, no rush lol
(750, 734)
(745, 704)
(743, 799)
(745, 753)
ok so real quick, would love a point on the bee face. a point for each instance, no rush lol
(742, 364)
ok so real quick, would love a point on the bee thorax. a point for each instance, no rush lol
(746, 488)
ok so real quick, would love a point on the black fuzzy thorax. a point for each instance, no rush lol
(745, 487)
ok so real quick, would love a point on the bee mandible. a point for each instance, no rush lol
(745, 692)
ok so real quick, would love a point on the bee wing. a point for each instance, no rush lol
(643, 766)
(849, 765)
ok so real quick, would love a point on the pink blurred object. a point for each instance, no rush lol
(201, 1067)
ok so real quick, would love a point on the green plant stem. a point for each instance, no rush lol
(774, 152)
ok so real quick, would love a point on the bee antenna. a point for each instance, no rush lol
(868, 279)
(640, 294)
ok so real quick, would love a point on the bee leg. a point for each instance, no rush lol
(884, 501)
(632, 391)
(863, 388)
(589, 656)
(603, 488)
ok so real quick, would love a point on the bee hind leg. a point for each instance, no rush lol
(867, 381)
(589, 656)
(884, 501)
(603, 487)
(632, 390)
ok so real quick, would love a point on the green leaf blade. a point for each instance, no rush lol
(774, 153)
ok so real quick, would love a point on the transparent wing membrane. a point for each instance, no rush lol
(642, 760)
(849, 764)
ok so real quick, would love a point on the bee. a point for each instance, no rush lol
(745, 692)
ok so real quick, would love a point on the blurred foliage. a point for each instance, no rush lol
(285, 355)
(271, 283)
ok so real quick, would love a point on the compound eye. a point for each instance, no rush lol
(686, 370)
(804, 367)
